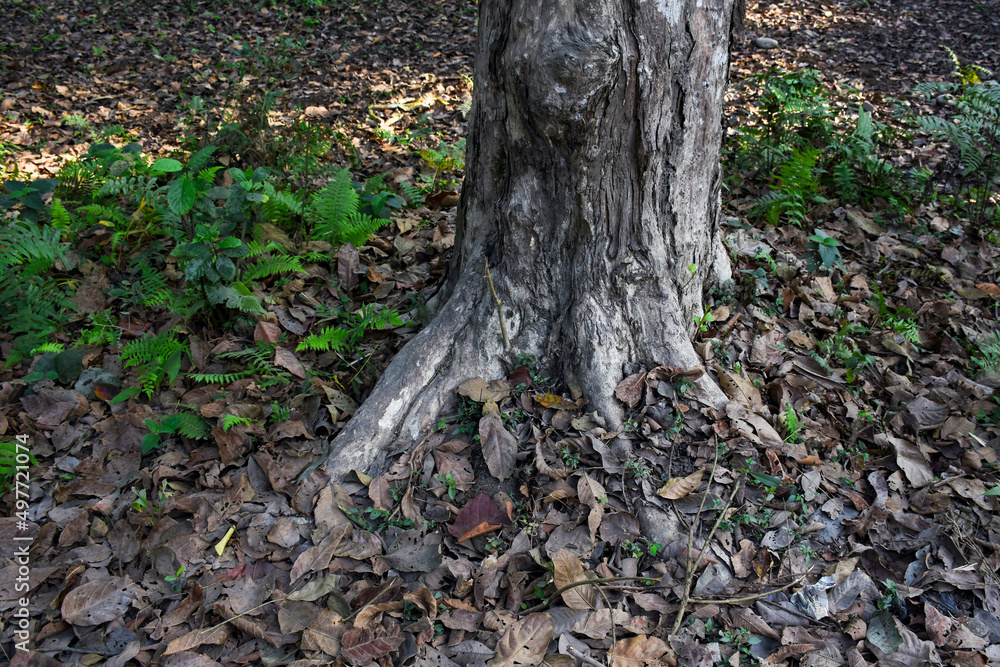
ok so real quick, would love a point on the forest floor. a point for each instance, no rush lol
(841, 511)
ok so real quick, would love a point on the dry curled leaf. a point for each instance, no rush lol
(641, 650)
(629, 390)
(678, 487)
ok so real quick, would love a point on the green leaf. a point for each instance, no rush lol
(125, 394)
(995, 491)
(173, 366)
(166, 165)
(226, 268)
(150, 441)
(765, 480)
(181, 195)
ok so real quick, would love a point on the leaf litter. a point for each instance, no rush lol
(833, 514)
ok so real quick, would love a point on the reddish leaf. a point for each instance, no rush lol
(361, 646)
(478, 517)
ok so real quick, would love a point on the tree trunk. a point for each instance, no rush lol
(592, 183)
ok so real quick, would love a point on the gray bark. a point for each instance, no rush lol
(593, 181)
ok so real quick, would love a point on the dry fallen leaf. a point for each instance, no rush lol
(524, 643)
(569, 570)
(678, 487)
(641, 650)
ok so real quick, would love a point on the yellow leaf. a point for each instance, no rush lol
(221, 546)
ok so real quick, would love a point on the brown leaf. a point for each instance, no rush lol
(629, 390)
(678, 487)
(499, 446)
(415, 552)
(479, 516)
(266, 332)
(286, 359)
(348, 263)
(361, 646)
(181, 612)
(640, 650)
(524, 643)
(591, 493)
(192, 640)
(98, 602)
(569, 570)
(189, 659)
(481, 391)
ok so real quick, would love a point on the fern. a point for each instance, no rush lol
(158, 358)
(61, 218)
(797, 189)
(411, 193)
(367, 318)
(229, 421)
(219, 378)
(333, 213)
(187, 424)
(266, 267)
(330, 338)
(9, 462)
(974, 131)
(260, 359)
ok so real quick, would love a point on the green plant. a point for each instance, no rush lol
(796, 191)
(632, 549)
(14, 457)
(701, 322)
(36, 304)
(260, 365)
(157, 358)
(843, 347)
(229, 421)
(449, 483)
(177, 580)
(792, 112)
(827, 248)
(279, 414)
(569, 457)
(211, 272)
(638, 469)
(335, 213)
(187, 424)
(791, 424)
(986, 357)
(352, 328)
(445, 159)
(26, 198)
(975, 131)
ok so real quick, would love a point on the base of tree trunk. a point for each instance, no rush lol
(464, 341)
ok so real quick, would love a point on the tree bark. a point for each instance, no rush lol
(592, 183)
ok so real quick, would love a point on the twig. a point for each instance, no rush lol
(749, 598)
(586, 659)
(500, 304)
(693, 566)
(611, 617)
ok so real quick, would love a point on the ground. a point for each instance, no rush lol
(840, 511)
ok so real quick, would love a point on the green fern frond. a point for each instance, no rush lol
(13, 456)
(229, 421)
(272, 266)
(330, 338)
(158, 358)
(219, 378)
